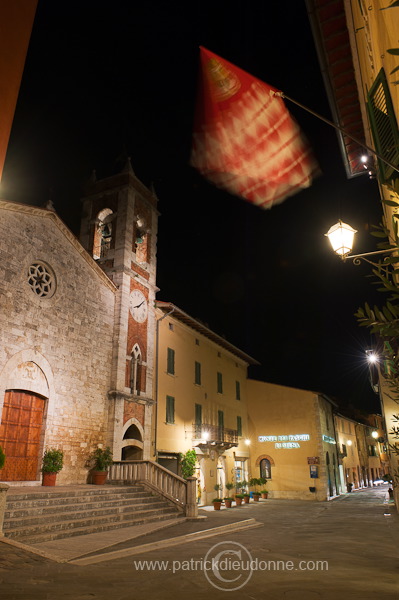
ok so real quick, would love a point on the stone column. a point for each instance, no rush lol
(3, 495)
(191, 501)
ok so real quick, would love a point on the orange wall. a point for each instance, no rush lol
(16, 21)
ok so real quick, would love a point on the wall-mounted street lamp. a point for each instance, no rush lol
(341, 236)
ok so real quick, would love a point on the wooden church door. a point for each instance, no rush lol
(20, 435)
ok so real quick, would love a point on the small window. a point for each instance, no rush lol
(197, 373)
(239, 426)
(197, 342)
(170, 409)
(135, 370)
(219, 383)
(171, 327)
(198, 414)
(171, 362)
(265, 468)
(238, 390)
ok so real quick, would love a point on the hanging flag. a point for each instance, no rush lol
(245, 140)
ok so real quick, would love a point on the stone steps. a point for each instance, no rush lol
(43, 516)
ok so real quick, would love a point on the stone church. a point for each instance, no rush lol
(77, 329)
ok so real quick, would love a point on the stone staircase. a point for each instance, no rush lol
(40, 516)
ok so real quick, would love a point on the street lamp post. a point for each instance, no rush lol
(341, 236)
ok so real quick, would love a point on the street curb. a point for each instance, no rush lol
(189, 537)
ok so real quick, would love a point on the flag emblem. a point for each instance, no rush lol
(245, 140)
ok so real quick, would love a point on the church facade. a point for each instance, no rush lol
(77, 329)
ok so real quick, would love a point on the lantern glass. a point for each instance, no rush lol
(341, 238)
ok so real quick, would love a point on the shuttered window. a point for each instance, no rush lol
(171, 362)
(219, 383)
(198, 414)
(197, 373)
(384, 126)
(170, 409)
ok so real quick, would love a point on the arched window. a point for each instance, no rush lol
(265, 468)
(103, 233)
(135, 370)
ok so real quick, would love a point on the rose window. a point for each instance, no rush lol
(41, 280)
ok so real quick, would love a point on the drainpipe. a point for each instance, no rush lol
(156, 379)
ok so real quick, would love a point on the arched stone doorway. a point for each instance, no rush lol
(23, 414)
(132, 446)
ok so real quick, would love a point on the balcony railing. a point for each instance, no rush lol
(213, 435)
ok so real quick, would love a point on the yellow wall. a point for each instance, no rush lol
(281, 411)
(178, 437)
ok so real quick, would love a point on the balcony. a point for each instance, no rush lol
(207, 435)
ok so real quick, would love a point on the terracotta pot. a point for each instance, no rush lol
(264, 495)
(227, 503)
(238, 501)
(256, 497)
(98, 477)
(217, 505)
(246, 499)
(49, 479)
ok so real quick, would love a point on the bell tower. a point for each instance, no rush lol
(119, 229)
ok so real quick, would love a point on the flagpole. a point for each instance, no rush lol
(282, 95)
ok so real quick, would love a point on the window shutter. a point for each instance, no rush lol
(219, 383)
(171, 362)
(197, 373)
(198, 414)
(383, 125)
(170, 409)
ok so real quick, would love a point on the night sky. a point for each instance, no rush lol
(104, 80)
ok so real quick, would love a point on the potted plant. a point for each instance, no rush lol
(254, 482)
(229, 486)
(217, 488)
(100, 459)
(228, 501)
(239, 498)
(246, 498)
(52, 463)
(217, 503)
(243, 486)
(264, 494)
(187, 463)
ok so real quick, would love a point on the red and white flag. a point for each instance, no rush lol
(245, 140)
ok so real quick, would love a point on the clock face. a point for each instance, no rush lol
(138, 306)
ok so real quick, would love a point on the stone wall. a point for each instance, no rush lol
(66, 333)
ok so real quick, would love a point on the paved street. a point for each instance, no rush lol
(347, 548)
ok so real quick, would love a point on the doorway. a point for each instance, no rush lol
(21, 434)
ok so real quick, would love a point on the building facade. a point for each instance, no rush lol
(357, 44)
(201, 402)
(293, 441)
(77, 330)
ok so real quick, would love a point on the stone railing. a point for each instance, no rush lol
(3, 494)
(181, 492)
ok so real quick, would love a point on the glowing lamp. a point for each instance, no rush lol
(349, 442)
(374, 434)
(341, 238)
(247, 442)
